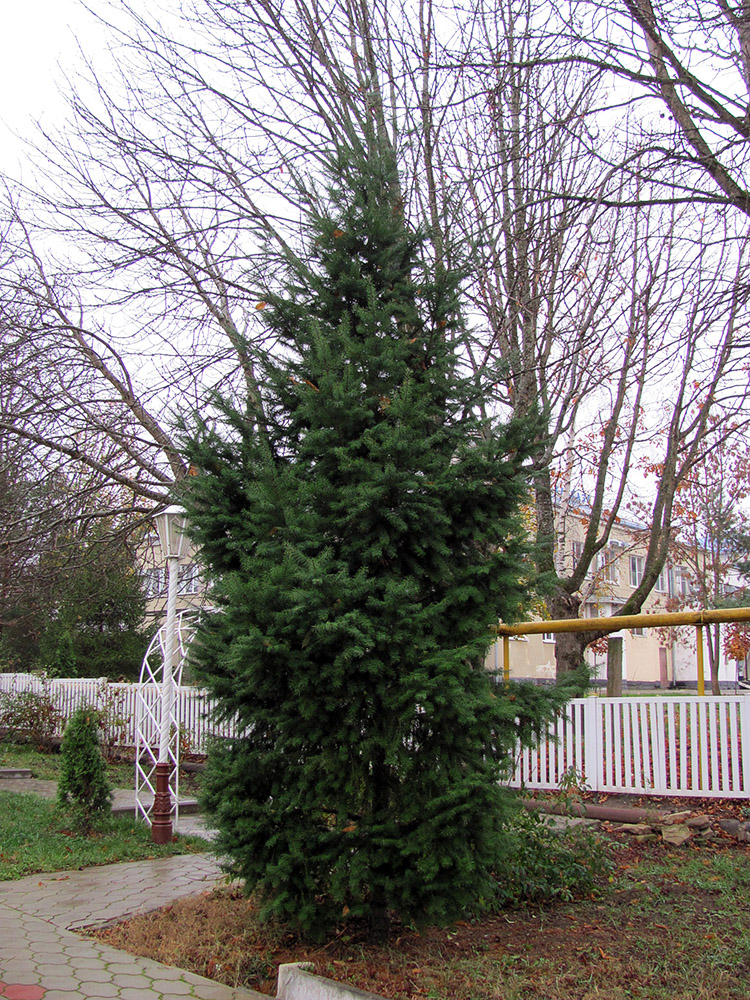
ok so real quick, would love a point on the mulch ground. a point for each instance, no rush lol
(217, 935)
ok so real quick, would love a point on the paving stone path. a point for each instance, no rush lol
(42, 959)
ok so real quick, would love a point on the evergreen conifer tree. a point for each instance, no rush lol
(84, 787)
(360, 522)
(64, 663)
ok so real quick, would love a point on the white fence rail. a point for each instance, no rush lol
(683, 745)
(686, 746)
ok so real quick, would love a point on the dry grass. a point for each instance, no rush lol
(673, 925)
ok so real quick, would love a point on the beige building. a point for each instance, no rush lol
(652, 657)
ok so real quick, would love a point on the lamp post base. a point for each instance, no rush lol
(161, 814)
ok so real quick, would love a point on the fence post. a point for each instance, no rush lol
(614, 666)
(657, 731)
(745, 742)
(591, 742)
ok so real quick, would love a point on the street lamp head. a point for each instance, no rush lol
(171, 524)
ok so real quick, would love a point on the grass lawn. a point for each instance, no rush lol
(668, 925)
(47, 766)
(36, 837)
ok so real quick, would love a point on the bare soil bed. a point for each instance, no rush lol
(668, 923)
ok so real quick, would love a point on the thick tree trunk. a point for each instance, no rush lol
(569, 646)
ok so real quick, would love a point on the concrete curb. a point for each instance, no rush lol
(296, 982)
(188, 807)
(14, 779)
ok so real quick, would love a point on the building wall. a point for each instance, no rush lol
(658, 657)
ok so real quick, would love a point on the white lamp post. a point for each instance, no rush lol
(170, 525)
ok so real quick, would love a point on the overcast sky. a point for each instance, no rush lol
(36, 35)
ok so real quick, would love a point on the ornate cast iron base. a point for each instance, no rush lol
(161, 814)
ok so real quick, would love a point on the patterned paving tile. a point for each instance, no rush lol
(40, 959)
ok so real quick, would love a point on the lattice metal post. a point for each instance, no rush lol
(163, 778)
(169, 748)
(148, 722)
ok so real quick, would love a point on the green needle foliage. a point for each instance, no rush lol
(83, 788)
(359, 519)
(64, 663)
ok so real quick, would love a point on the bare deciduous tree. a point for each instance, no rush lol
(710, 526)
(179, 183)
(688, 63)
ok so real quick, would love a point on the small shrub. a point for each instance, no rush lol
(112, 722)
(542, 865)
(570, 791)
(83, 787)
(29, 716)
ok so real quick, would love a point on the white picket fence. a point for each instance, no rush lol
(683, 745)
(117, 703)
(649, 745)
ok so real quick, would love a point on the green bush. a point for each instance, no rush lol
(542, 864)
(83, 788)
(29, 716)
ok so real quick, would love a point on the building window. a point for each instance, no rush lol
(548, 636)
(606, 564)
(577, 550)
(637, 566)
(662, 584)
(188, 579)
(682, 583)
(154, 581)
